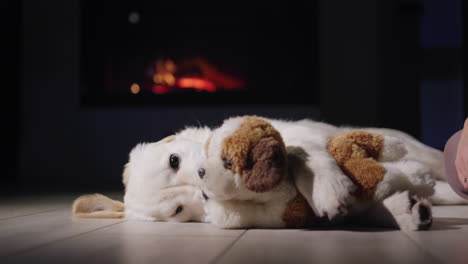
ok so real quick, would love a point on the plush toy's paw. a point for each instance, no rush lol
(333, 198)
(393, 149)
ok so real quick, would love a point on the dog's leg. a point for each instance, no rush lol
(405, 175)
(400, 210)
(393, 149)
(331, 191)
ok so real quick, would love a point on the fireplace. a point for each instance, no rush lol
(198, 53)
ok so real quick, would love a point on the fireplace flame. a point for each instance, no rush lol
(196, 83)
(192, 73)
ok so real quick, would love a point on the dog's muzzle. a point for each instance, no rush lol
(201, 173)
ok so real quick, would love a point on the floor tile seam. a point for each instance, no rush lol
(16, 253)
(228, 247)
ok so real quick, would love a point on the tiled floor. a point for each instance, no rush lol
(41, 230)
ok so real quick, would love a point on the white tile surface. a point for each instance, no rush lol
(170, 229)
(106, 246)
(331, 246)
(31, 204)
(448, 238)
(22, 233)
(30, 232)
(14, 207)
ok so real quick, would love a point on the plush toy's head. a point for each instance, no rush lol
(245, 155)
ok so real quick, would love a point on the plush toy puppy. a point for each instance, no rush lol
(252, 150)
(245, 177)
(250, 177)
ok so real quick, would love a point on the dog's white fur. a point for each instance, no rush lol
(153, 190)
(316, 175)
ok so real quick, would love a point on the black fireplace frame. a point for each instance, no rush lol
(94, 94)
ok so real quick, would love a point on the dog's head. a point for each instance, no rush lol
(160, 183)
(245, 155)
(160, 180)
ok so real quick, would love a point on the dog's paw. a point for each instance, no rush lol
(393, 149)
(417, 217)
(219, 214)
(422, 214)
(334, 197)
(207, 208)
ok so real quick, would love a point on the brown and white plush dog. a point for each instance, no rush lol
(253, 180)
(160, 182)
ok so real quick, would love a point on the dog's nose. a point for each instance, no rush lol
(201, 173)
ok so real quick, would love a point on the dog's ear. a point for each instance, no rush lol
(168, 138)
(97, 206)
(266, 165)
(207, 145)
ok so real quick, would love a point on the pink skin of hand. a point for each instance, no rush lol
(461, 161)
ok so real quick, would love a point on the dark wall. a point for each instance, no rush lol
(348, 62)
(9, 108)
(465, 56)
(399, 60)
(441, 88)
(66, 146)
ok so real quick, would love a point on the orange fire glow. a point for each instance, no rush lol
(161, 89)
(135, 88)
(196, 83)
(192, 73)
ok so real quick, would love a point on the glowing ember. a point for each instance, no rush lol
(135, 88)
(161, 89)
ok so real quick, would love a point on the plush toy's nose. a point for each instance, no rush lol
(201, 173)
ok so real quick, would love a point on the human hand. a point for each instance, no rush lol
(461, 160)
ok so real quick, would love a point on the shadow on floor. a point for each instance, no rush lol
(446, 223)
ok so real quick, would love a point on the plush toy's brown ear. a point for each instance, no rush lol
(266, 165)
(97, 206)
(257, 153)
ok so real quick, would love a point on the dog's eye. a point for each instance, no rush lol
(227, 164)
(174, 161)
(178, 209)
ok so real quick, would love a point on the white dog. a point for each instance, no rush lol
(160, 182)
